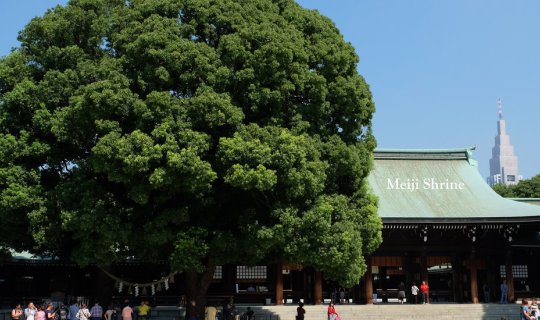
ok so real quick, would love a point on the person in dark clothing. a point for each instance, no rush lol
(63, 312)
(225, 314)
(300, 312)
(192, 311)
(248, 315)
(485, 288)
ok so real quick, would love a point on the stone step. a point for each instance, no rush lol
(394, 312)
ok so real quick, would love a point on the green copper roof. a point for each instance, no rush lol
(439, 186)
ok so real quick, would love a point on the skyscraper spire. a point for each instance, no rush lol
(500, 108)
(503, 165)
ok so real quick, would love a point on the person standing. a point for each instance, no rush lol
(341, 296)
(249, 314)
(485, 288)
(224, 310)
(17, 312)
(127, 313)
(83, 313)
(210, 312)
(30, 311)
(414, 292)
(192, 310)
(143, 310)
(73, 310)
(534, 309)
(525, 312)
(504, 292)
(424, 288)
(300, 311)
(96, 313)
(40, 314)
(109, 312)
(332, 314)
(63, 312)
(49, 312)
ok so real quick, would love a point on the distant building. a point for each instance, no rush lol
(503, 165)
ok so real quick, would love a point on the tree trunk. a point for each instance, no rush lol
(197, 286)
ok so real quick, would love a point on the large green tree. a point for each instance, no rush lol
(202, 132)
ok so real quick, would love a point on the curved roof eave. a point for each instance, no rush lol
(439, 186)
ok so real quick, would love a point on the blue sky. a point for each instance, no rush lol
(436, 68)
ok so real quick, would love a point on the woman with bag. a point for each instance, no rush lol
(17, 312)
(332, 314)
(50, 314)
(84, 313)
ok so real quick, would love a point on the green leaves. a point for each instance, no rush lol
(209, 110)
(166, 129)
(260, 158)
(246, 178)
(189, 250)
(135, 157)
(528, 188)
(327, 236)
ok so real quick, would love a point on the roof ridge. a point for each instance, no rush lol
(434, 151)
(426, 154)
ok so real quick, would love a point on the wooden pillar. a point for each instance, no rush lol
(369, 282)
(493, 275)
(357, 293)
(279, 284)
(362, 290)
(509, 275)
(457, 278)
(409, 276)
(318, 287)
(474, 280)
(423, 267)
(308, 285)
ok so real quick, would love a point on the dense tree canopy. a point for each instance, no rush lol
(528, 188)
(201, 132)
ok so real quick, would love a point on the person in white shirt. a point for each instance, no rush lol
(414, 291)
(84, 313)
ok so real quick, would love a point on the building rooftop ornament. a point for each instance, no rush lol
(500, 108)
(503, 165)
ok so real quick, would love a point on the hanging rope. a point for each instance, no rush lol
(164, 281)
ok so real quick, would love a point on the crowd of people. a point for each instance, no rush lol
(80, 311)
(423, 291)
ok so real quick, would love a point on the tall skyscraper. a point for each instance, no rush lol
(503, 165)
